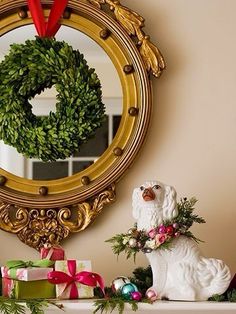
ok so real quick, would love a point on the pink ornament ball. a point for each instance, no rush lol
(176, 225)
(151, 295)
(136, 295)
(162, 229)
(177, 234)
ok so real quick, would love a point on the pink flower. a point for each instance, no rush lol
(160, 238)
(152, 233)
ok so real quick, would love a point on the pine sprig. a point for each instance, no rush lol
(36, 306)
(186, 217)
(116, 303)
(119, 245)
(5, 307)
(120, 306)
(142, 278)
(229, 296)
(8, 306)
(118, 241)
(17, 308)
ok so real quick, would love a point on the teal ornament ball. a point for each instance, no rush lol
(127, 290)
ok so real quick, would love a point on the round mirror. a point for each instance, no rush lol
(16, 163)
(48, 208)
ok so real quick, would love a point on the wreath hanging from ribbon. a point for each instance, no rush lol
(42, 63)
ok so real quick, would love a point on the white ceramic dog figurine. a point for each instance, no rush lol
(179, 272)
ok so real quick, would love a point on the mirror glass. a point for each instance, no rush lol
(42, 104)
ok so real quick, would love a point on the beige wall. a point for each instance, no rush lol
(192, 138)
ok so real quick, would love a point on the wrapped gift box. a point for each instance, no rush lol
(53, 253)
(26, 274)
(40, 289)
(27, 271)
(72, 267)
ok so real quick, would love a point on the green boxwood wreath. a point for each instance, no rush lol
(26, 71)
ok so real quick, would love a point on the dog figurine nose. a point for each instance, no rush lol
(148, 195)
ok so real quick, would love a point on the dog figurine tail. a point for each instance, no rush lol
(214, 276)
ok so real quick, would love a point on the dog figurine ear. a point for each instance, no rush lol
(169, 205)
(135, 204)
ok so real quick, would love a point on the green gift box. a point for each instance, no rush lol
(39, 289)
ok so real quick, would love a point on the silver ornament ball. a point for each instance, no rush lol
(132, 242)
(118, 283)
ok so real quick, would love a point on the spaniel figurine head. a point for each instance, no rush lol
(153, 203)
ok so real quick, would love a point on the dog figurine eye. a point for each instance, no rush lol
(142, 188)
(156, 187)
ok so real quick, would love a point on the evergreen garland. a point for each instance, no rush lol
(13, 306)
(26, 71)
(142, 278)
(228, 296)
(118, 304)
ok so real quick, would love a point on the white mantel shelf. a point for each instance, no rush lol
(159, 307)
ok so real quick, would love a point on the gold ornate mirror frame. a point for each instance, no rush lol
(48, 211)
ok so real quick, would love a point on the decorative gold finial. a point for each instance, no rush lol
(133, 23)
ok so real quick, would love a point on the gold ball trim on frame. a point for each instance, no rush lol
(105, 33)
(43, 190)
(22, 13)
(3, 180)
(118, 33)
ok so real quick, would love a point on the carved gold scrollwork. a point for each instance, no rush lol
(97, 3)
(35, 227)
(12, 218)
(43, 227)
(87, 211)
(133, 24)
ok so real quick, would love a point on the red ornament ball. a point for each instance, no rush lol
(169, 230)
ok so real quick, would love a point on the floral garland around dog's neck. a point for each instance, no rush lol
(159, 237)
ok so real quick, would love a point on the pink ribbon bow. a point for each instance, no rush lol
(83, 277)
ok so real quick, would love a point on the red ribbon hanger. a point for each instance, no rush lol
(49, 28)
